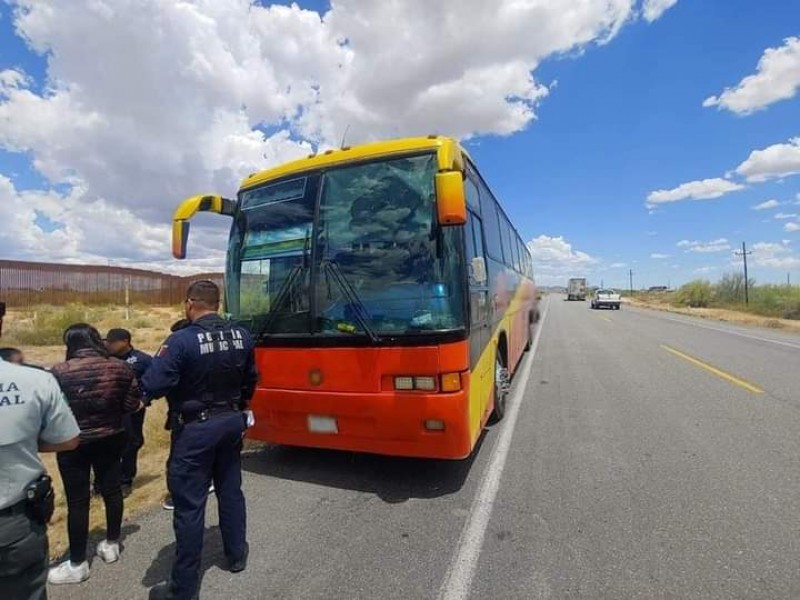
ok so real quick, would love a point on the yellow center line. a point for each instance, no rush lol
(718, 372)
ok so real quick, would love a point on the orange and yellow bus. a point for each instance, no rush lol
(389, 295)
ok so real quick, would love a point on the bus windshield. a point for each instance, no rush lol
(353, 250)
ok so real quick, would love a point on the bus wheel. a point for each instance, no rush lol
(501, 385)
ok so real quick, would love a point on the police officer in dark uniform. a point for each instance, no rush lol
(207, 371)
(118, 343)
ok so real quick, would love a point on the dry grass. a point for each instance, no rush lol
(148, 326)
(718, 314)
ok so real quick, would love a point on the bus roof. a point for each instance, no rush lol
(363, 152)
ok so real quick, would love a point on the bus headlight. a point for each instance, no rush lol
(404, 383)
(423, 384)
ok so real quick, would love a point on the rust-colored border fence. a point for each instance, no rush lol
(27, 284)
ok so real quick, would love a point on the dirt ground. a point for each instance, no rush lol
(722, 314)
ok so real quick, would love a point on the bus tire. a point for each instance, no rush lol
(529, 341)
(500, 390)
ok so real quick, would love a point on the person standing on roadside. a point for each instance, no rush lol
(16, 356)
(100, 390)
(207, 371)
(12, 355)
(118, 343)
(34, 416)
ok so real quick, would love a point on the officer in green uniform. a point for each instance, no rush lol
(34, 417)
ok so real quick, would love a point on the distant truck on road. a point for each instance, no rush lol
(606, 298)
(576, 289)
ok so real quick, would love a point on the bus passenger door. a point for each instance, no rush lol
(480, 334)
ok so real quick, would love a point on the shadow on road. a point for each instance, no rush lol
(213, 556)
(392, 479)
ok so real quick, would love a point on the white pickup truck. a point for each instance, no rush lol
(603, 298)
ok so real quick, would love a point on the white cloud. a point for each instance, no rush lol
(704, 270)
(720, 245)
(778, 160)
(659, 256)
(555, 260)
(705, 189)
(185, 91)
(767, 205)
(784, 216)
(771, 255)
(777, 78)
(80, 231)
(792, 227)
(653, 9)
(617, 265)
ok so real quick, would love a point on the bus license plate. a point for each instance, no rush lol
(317, 424)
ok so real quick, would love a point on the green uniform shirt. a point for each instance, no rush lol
(32, 408)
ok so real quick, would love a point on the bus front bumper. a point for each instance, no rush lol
(415, 424)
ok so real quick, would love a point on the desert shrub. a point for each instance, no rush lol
(695, 294)
(792, 311)
(730, 289)
(45, 325)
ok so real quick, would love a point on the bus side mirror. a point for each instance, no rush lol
(451, 203)
(188, 209)
(180, 237)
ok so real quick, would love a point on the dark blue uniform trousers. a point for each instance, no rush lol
(203, 451)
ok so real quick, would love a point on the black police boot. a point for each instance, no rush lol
(164, 591)
(237, 566)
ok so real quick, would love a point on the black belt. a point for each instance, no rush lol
(14, 509)
(204, 415)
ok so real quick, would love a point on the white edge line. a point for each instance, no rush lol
(692, 321)
(458, 579)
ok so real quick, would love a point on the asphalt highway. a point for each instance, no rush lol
(644, 455)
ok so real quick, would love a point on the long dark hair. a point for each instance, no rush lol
(82, 336)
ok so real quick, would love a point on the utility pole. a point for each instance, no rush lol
(744, 254)
(630, 274)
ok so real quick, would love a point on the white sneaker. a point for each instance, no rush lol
(108, 551)
(66, 572)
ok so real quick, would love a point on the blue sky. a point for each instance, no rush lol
(627, 118)
(622, 119)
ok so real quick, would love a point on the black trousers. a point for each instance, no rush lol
(203, 452)
(134, 426)
(23, 558)
(104, 457)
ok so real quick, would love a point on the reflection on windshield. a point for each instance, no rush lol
(376, 264)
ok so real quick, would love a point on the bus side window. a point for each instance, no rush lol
(474, 239)
(491, 224)
(506, 233)
(473, 198)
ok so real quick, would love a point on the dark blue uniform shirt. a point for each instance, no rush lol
(138, 361)
(208, 364)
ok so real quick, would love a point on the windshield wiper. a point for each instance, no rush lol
(359, 310)
(286, 289)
